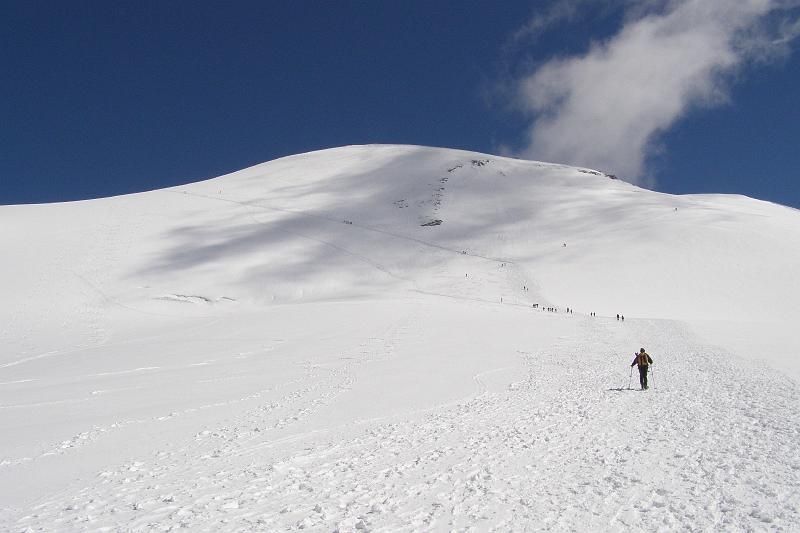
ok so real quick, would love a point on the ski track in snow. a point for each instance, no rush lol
(714, 445)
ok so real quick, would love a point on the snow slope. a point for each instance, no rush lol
(347, 339)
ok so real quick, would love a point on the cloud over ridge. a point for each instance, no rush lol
(606, 108)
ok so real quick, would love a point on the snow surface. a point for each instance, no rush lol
(347, 340)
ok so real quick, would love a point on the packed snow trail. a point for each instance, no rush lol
(712, 446)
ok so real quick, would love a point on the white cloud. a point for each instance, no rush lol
(606, 108)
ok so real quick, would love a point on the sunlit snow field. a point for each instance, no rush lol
(358, 339)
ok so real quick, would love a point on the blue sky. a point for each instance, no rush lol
(102, 98)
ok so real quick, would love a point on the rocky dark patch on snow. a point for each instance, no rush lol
(436, 222)
(185, 298)
(596, 173)
(193, 299)
(437, 198)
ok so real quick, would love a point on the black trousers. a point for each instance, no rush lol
(643, 376)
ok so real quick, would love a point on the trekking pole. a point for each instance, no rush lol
(653, 377)
(630, 377)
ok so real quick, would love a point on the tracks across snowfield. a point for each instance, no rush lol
(563, 446)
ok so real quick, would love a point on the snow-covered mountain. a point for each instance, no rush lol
(360, 338)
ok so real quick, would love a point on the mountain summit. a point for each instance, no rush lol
(367, 220)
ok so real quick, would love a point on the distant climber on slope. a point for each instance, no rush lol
(644, 361)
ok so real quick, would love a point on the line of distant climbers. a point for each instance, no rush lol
(570, 311)
(551, 309)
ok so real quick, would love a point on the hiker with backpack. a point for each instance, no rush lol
(644, 361)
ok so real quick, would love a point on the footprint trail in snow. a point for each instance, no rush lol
(564, 446)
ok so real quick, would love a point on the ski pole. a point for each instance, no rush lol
(630, 377)
(653, 377)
